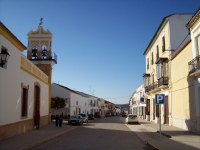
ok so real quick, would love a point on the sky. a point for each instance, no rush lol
(99, 43)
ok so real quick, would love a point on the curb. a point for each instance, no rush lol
(164, 134)
(46, 139)
(150, 145)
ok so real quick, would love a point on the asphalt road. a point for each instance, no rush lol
(102, 134)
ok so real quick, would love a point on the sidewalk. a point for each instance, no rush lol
(171, 138)
(44, 134)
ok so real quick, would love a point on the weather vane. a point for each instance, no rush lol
(41, 21)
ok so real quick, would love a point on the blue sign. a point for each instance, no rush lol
(160, 98)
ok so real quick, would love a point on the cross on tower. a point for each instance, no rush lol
(41, 21)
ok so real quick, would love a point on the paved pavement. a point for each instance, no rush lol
(35, 137)
(146, 131)
(171, 138)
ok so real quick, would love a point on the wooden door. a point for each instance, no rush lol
(166, 111)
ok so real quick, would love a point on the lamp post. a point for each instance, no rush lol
(4, 55)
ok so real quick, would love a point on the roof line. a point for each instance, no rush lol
(77, 92)
(12, 35)
(160, 26)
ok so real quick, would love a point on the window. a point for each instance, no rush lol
(164, 69)
(90, 102)
(157, 54)
(152, 60)
(24, 102)
(158, 71)
(76, 102)
(147, 63)
(198, 45)
(163, 43)
(34, 53)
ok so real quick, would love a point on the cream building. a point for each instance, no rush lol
(194, 66)
(101, 104)
(185, 89)
(24, 89)
(157, 79)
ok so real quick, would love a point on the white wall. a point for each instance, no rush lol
(11, 79)
(178, 30)
(82, 99)
(57, 91)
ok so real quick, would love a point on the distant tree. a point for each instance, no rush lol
(57, 102)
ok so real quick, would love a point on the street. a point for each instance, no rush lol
(102, 134)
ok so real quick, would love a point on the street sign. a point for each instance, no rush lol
(160, 98)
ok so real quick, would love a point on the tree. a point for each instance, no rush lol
(57, 102)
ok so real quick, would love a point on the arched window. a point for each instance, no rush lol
(44, 52)
(34, 53)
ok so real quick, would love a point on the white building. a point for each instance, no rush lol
(136, 104)
(24, 89)
(78, 102)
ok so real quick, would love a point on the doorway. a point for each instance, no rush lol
(166, 111)
(37, 101)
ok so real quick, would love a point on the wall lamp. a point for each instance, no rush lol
(4, 56)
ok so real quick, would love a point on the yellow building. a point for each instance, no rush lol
(157, 78)
(185, 91)
(190, 84)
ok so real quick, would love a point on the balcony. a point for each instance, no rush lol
(163, 81)
(194, 66)
(45, 60)
(152, 87)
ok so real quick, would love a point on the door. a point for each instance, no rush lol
(166, 111)
(37, 101)
(154, 109)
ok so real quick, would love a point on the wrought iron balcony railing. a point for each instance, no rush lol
(163, 81)
(151, 87)
(194, 65)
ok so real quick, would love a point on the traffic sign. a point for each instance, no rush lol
(160, 98)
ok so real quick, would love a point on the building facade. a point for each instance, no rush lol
(157, 79)
(78, 102)
(24, 89)
(137, 104)
(194, 67)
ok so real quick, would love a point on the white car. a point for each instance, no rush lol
(131, 119)
(85, 117)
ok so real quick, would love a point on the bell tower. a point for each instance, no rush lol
(39, 51)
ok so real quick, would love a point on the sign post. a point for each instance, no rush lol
(160, 99)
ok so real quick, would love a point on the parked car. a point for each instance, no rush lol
(90, 117)
(131, 119)
(108, 115)
(85, 117)
(76, 120)
(124, 114)
(97, 115)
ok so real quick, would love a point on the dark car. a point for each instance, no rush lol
(76, 120)
(97, 115)
(90, 117)
(108, 115)
(124, 114)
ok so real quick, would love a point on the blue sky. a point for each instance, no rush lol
(99, 43)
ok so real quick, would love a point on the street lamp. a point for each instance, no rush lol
(4, 55)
